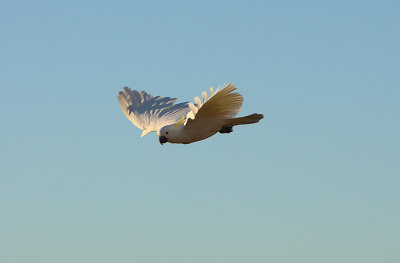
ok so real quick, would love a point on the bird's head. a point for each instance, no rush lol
(171, 133)
(166, 133)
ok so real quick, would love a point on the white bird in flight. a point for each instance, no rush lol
(185, 122)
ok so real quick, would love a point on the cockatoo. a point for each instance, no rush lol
(185, 122)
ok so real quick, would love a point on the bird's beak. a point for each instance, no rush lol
(163, 139)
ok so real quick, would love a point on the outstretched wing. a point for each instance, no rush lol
(150, 113)
(224, 103)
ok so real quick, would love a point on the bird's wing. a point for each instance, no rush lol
(150, 113)
(223, 103)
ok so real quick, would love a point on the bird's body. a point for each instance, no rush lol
(185, 122)
(200, 130)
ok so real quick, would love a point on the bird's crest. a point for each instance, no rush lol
(181, 120)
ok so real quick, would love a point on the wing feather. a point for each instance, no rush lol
(204, 96)
(150, 113)
(224, 103)
(197, 101)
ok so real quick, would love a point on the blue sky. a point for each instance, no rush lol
(317, 180)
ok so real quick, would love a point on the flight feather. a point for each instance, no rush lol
(150, 113)
(224, 102)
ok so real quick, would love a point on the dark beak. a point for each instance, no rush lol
(163, 139)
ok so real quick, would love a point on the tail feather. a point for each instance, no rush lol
(253, 118)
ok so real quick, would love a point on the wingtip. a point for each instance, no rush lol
(145, 132)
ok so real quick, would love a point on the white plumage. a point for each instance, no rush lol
(150, 113)
(185, 122)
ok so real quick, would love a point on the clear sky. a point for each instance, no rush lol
(317, 180)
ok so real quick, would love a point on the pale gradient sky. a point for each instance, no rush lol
(316, 181)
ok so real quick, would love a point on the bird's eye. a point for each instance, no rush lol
(166, 133)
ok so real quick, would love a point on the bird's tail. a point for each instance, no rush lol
(253, 118)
